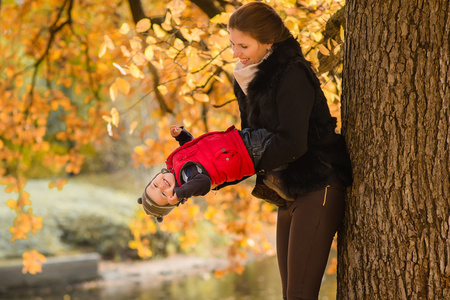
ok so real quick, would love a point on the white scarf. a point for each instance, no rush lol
(245, 74)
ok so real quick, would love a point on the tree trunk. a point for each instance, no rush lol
(395, 242)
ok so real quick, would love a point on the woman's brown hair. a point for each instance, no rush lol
(261, 22)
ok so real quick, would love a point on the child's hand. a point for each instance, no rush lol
(175, 130)
(173, 200)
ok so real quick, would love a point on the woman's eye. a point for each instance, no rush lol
(244, 47)
(164, 194)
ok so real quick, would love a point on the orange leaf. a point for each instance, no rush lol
(323, 50)
(136, 72)
(125, 28)
(149, 53)
(123, 85)
(113, 90)
(201, 97)
(176, 6)
(219, 273)
(115, 116)
(108, 42)
(11, 203)
(188, 99)
(158, 31)
(143, 25)
(163, 89)
(58, 183)
(32, 262)
(133, 126)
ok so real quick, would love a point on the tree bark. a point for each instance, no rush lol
(395, 241)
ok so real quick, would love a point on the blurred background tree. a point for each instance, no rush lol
(85, 86)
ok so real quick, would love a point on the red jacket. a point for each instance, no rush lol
(222, 154)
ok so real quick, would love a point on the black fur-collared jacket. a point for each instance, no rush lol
(285, 98)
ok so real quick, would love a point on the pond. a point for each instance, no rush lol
(259, 281)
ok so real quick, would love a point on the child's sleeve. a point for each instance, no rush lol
(256, 141)
(184, 137)
(197, 185)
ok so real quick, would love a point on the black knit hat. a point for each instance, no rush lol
(152, 208)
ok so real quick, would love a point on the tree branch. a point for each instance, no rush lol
(209, 7)
(138, 14)
(54, 29)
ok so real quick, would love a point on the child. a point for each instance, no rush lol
(212, 160)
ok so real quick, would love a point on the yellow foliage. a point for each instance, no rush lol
(143, 25)
(32, 262)
(176, 7)
(125, 28)
(160, 33)
(189, 70)
(58, 183)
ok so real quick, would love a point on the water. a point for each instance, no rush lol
(259, 281)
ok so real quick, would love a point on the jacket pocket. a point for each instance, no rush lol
(228, 164)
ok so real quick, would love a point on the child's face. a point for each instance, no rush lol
(161, 188)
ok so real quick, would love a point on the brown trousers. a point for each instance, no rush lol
(305, 231)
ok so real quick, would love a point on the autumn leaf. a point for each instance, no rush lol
(150, 40)
(32, 262)
(323, 50)
(108, 42)
(124, 29)
(58, 183)
(102, 50)
(113, 91)
(149, 53)
(143, 25)
(136, 44)
(135, 72)
(133, 126)
(115, 116)
(139, 59)
(201, 97)
(219, 273)
(125, 51)
(188, 99)
(123, 86)
(158, 31)
(11, 203)
(166, 24)
(176, 7)
(221, 18)
(163, 89)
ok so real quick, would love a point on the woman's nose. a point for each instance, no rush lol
(236, 53)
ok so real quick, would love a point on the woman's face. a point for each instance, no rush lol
(246, 48)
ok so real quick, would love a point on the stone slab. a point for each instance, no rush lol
(56, 271)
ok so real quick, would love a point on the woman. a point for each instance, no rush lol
(277, 90)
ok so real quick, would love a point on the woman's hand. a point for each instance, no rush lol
(175, 130)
